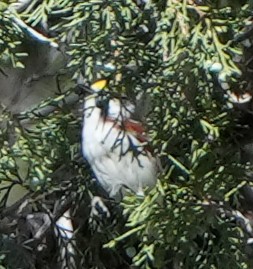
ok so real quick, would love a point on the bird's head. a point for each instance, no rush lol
(110, 107)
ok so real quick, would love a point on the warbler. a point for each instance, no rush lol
(115, 145)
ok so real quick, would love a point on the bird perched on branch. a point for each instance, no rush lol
(115, 145)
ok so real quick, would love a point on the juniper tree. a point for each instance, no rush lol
(191, 61)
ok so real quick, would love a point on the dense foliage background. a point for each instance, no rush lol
(192, 63)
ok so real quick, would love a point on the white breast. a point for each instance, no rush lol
(112, 153)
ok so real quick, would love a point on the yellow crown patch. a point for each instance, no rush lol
(99, 85)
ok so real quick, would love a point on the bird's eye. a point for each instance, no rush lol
(103, 105)
(100, 103)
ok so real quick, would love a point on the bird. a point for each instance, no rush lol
(115, 145)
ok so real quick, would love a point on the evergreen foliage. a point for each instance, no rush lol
(189, 59)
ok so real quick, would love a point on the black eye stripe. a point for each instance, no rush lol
(103, 104)
(100, 103)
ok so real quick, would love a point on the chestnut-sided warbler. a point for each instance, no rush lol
(115, 145)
